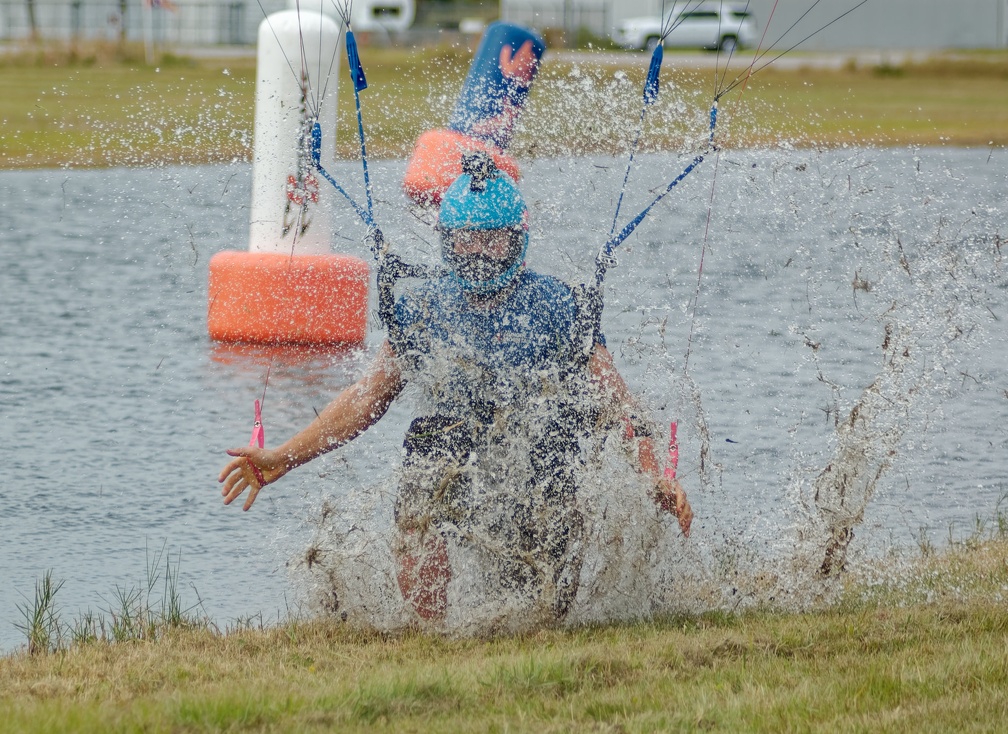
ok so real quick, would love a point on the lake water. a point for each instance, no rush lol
(116, 408)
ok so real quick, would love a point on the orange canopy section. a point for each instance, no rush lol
(437, 161)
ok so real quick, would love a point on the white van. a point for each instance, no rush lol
(710, 25)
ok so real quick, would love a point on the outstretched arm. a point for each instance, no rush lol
(351, 413)
(618, 398)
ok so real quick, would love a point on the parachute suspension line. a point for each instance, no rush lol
(738, 80)
(720, 76)
(269, 368)
(359, 83)
(759, 52)
(674, 20)
(650, 97)
(309, 138)
(316, 157)
(277, 39)
(313, 97)
(703, 252)
(367, 217)
(332, 65)
(605, 257)
(312, 100)
(305, 79)
(390, 267)
(756, 55)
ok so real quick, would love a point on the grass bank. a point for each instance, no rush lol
(105, 107)
(921, 654)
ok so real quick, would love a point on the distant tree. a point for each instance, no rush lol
(123, 6)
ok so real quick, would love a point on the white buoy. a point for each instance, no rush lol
(298, 60)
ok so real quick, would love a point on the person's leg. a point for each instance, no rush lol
(559, 531)
(434, 450)
(567, 554)
(423, 573)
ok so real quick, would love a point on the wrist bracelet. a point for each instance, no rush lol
(255, 471)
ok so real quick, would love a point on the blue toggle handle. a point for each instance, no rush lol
(316, 145)
(651, 85)
(353, 62)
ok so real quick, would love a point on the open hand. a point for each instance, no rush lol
(252, 469)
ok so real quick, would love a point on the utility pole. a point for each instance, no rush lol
(32, 23)
(568, 22)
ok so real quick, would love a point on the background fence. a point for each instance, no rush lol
(570, 17)
(921, 24)
(180, 22)
(880, 24)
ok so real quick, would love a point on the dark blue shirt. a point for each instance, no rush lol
(503, 355)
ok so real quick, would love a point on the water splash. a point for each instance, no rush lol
(850, 304)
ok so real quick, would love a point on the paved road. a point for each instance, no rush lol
(741, 59)
(681, 59)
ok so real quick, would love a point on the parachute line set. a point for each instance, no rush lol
(390, 268)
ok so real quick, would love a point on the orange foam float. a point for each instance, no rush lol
(275, 298)
(436, 162)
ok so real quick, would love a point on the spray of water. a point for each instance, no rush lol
(870, 291)
(519, 560)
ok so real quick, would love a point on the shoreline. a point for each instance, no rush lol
(921, 650)
(212, 161)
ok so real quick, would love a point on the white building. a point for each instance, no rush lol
(878, 24)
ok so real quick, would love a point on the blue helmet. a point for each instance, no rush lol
(483, 198)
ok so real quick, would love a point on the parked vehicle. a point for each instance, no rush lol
(709, 25)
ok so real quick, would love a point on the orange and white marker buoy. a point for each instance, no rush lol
(289, 287)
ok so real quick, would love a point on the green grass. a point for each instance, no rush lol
(922, 653)
(103, 107)
(41, 624)
(123, 113)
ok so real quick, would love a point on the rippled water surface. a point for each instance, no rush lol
(822, 274)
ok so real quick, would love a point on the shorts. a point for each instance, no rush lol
(533, 531)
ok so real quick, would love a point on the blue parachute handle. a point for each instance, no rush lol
(359, 83)
(353, 62)
(316, 145)
(651, 85)
(316, 159)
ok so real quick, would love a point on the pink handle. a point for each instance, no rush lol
(673, 453)
(258, 435)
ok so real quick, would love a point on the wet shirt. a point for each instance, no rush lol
(468, 358)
